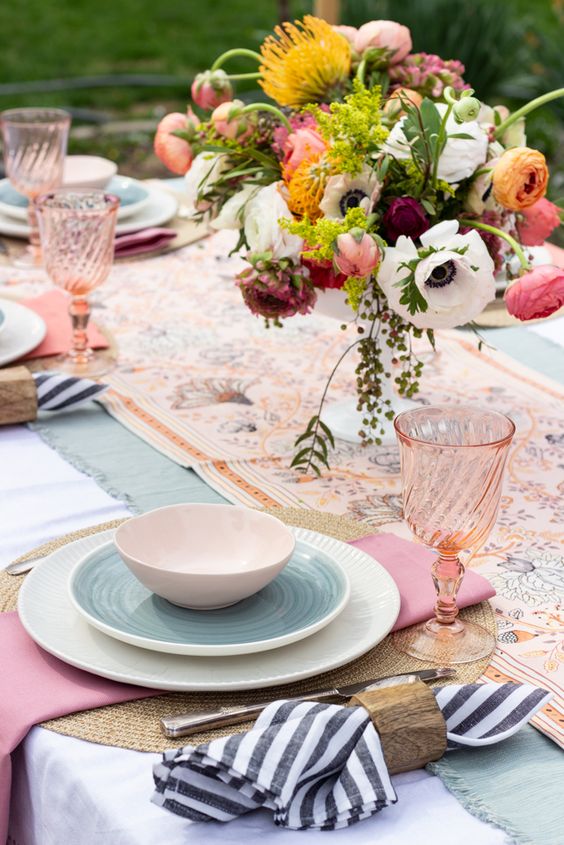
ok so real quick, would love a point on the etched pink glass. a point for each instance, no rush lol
(77, 237)
(35, 146)
(452, 462)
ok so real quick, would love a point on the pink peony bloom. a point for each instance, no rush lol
(539, 293)
(356, 253)
(301, 145)
(211, 88)
(539, 222)
(174, 152)
(387, 35)
(230, 123)
(274, 290)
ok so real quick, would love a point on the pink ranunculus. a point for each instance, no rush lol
(211, 88)
(539, 222)
(539, 293)
(301, 145)
(229, 122)
(356, 253)
(174, 152)
(384, 34)
(349, 32)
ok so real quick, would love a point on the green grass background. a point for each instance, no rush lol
(513, 50)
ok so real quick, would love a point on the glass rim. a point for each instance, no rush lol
(112, 201)
(17, 116)
(426, 408)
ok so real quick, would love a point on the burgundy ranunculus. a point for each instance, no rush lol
(322, 274)
(405, 216)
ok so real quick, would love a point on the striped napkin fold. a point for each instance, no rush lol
(56, 391)
(321, 766)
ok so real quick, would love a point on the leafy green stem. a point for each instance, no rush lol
(269, 108)
(230, 54)
(527, 108)
(441, 141)
(515, 246)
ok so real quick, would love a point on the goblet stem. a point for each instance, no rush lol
(34, 237)
(447, 573)
(79, 310)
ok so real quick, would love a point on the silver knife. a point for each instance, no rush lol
(191, 723)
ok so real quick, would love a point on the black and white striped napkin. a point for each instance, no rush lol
(56, 391)
(320, 766)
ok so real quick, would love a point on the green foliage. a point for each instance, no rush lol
(316, 436)
(325, 231)
(353, 127)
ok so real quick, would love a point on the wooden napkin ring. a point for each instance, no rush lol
(18, 396)
(409, 722)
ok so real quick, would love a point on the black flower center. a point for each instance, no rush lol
(442, 275)
(351, 199)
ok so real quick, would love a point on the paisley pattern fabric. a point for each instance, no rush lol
(204, 382)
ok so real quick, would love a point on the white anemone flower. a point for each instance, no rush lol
(456, 278)
(345, 191)
(262, 230)
(201, 178)
(232, 214)
(460, 158)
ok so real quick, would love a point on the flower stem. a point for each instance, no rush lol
(515, 246)
(267, 107)
(360, 74)
(244, 75)
(441, 142)
(528, 107)
(239, 51)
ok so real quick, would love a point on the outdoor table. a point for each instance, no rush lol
(69, 790)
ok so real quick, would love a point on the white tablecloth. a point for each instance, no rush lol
(66, 790)
(69, 791)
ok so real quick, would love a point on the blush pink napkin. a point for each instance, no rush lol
(35, 686)
(53, 307)
(410, 566)
(147, 240)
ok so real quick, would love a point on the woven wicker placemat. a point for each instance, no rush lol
(135, 724)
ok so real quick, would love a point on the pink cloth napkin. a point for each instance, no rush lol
(35, 686)
(53, 307)
(410, 566)
(147, 240)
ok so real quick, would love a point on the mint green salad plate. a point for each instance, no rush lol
(307, 595)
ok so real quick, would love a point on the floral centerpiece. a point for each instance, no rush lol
(372, 170)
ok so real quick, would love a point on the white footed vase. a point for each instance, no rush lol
(343, 418)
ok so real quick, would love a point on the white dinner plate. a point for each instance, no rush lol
(133, 196)
(160, 208)
(22, 331)
(50, 619)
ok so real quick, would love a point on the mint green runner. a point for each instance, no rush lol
(516, 785)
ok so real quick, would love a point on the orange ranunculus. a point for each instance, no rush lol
(392, 105)
(520, 178)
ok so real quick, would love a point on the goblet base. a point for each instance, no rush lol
(460, 642)
(91, 365)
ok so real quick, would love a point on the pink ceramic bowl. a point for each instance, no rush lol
(204, 556)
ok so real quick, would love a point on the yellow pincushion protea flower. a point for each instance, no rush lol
(308, 62)
(307, 186)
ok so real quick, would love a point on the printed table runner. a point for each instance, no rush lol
(205, 383)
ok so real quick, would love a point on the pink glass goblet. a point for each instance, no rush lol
(35, 145)
(77, 230)
(452, 462)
